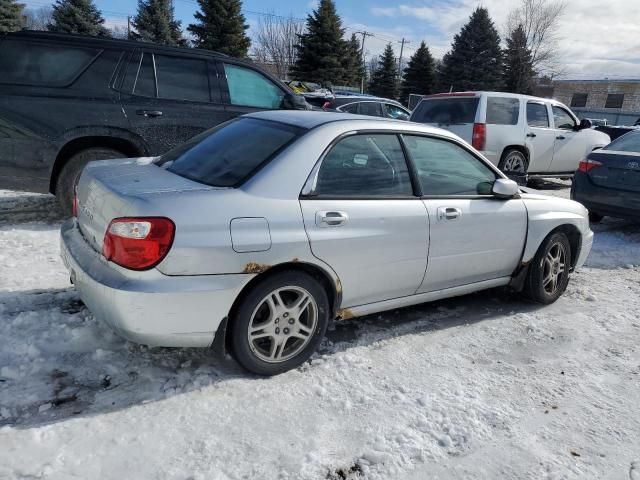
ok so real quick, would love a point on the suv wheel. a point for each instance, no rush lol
(280, 323)
(514, 163)
(70, 174)
(548, 275)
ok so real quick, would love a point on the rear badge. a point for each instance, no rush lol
(633, 165)
(86, 211)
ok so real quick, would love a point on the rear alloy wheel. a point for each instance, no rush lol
(70, 174)
(280, 323)
(548, 275)
(514, 163)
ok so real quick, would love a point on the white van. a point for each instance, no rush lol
(520, 134)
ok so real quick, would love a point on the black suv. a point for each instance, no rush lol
(68, 99)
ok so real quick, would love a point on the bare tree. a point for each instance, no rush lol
(275, 42)
(540, 19)
(38, 18)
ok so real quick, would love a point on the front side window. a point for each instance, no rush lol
(503, 111)
(537, 115)
(364, 165)
(228, 154)
(372, 109)
(29, 63)
(395, 112)
(252, 89)
(182, 78)
(446, 169)
(562, 119)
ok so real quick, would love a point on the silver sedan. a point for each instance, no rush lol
(262, 230)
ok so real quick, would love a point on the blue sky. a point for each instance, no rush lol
(587, 45)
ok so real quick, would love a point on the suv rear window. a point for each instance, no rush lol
(446, 111)
(228, 154)
(29, 63)
(503, 111)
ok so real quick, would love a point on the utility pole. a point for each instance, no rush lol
(401, 42)
(364, 69)
(128, 27)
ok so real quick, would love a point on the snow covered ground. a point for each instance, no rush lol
(480, 387)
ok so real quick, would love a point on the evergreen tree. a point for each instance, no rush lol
(518, 68)
(10, 16)
(77, 16)
(352, 62)
(475, 59)
(155, 22)
(321, 48)
(221, 26)
(383, 79)
(420, 74)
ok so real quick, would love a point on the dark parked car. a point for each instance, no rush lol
(363, 105)
(608, 180)
(68, 99)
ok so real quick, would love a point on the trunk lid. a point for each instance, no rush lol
(111, 189)
(619, 170)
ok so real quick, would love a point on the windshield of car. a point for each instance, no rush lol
(227, 155)
(629, 142)
(446, 111)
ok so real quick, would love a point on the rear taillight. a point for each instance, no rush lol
(587, 165)
(479, 136)
(138, 243)
(74, 207)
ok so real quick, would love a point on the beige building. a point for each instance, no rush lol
(616, 100)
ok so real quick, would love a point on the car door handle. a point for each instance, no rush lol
(449, 213)
(331, 219)
(149, 113)
(531, 135)
(560, 137)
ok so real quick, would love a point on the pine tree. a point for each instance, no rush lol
(420, 74)
(352, 62)
(475, 59)
(221, 26)
(10, 16)
(383, 79)
(155, 22)
(321, 48)
(518, 68)
(77, 16)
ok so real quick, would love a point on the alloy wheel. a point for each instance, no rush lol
(282, 324)
(514, 162)
(554, 266)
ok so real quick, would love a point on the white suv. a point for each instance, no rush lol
(522, 135)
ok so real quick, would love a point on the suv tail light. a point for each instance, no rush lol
(479, 136)
(587, 165)
(138, 243)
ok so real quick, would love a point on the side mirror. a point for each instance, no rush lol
(505, 188)
(293, 101)
(585, 123)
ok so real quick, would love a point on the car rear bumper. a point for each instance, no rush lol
(606, 201)
(148, 307)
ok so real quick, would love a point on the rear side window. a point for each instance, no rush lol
(537, 115)
(228, 154)
(182, 78)
(372, 109)
(145, 84)
(629, 142)
(446, 111)
(367, 165)
(503, 111)
(30, 63)
(350, 108)
(250, 88)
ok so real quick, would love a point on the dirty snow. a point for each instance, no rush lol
(480, 387)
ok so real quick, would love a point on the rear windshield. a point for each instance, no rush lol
(228, 154)
(629, 142)
(30, 63)
(446, 111)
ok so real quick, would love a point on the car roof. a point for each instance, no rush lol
(480, 93)
(313, 118)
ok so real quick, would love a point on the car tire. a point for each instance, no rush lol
(548, 274)
(70, 174)
(595, 217)
(268, 334)
(515, 165)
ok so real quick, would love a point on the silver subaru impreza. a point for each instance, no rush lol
(262, 230)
